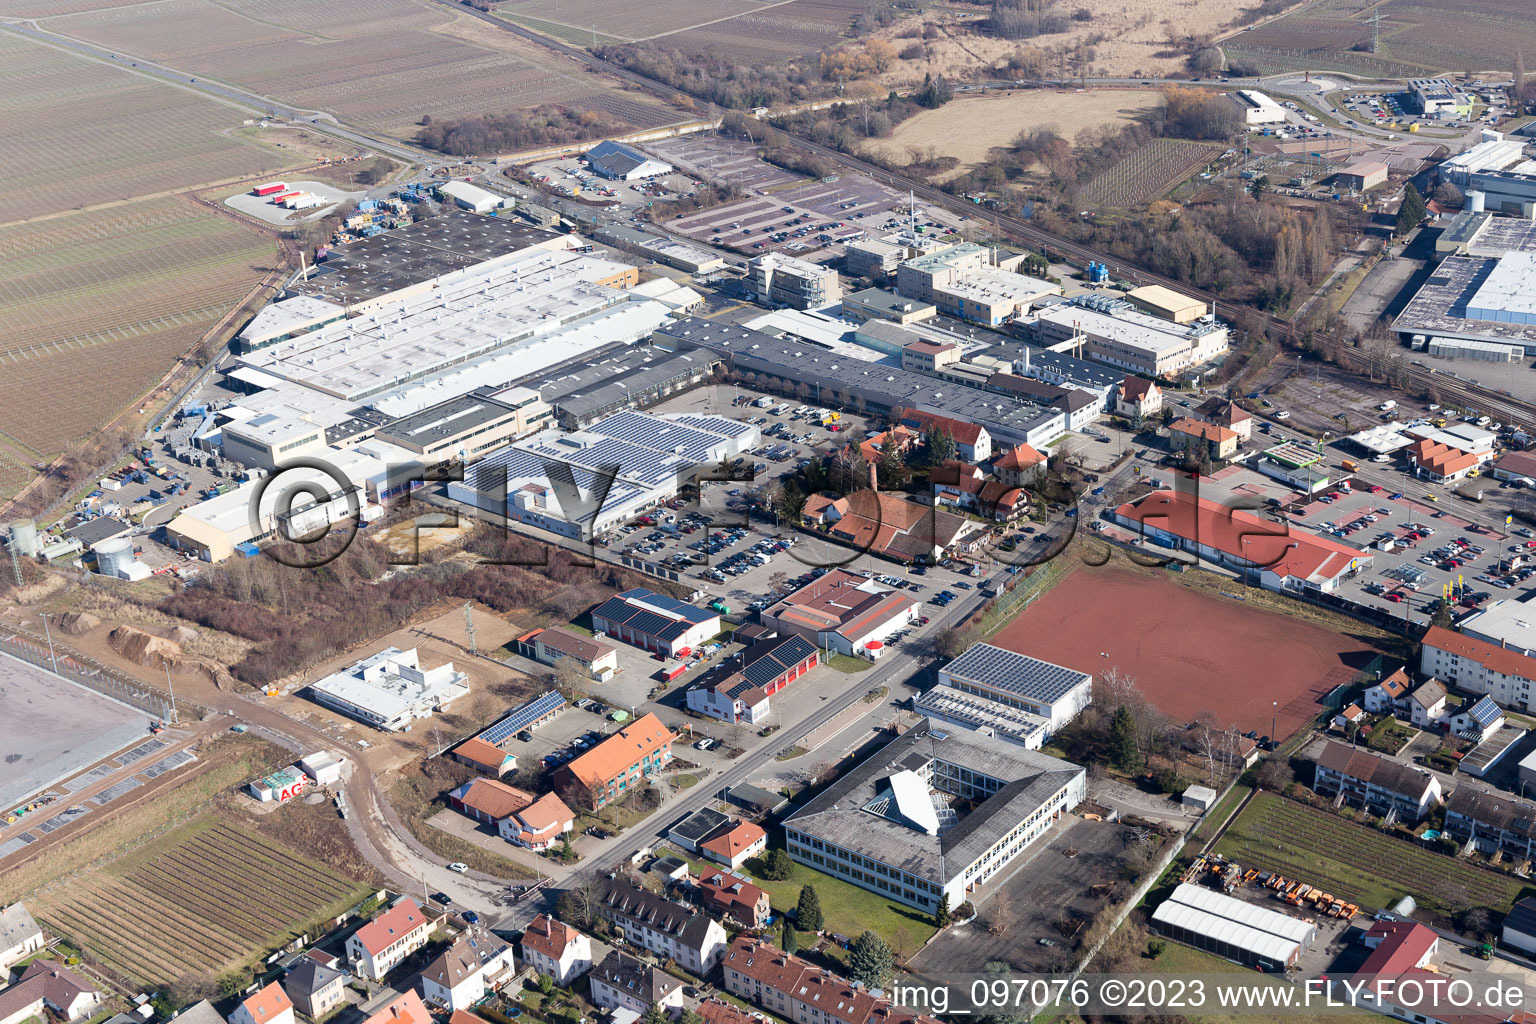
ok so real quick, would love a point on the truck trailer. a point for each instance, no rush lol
(269, 189)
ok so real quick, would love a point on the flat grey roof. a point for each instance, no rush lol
(1439, 309)
(1011, 672)
(447, 419)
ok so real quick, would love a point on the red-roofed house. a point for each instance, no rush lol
(407, 1009)
(1390, 695)
(898, 437)
(842, 611)
(1019, 466)
(1239, 540)
(1002, 502)
(539, 825)
(488, 801)
(376, 947)
(956, 484)
(887, 525)
(734, 897)
(972, 442)
(736, 844)
(1212, 438)
(1137, 396)
(1441, 462)
(1478, 666)
(555, 948)
(1226, 413)
(270, 1005)
(793, 990)
(485, 757)
(1399, 949)
(718, 1011)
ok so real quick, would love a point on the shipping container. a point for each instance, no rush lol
(280, 196)
(267, 190)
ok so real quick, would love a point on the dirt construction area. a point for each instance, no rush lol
(1191, 653)
(966, 128)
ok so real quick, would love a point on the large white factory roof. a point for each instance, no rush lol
(466, 314)
(1126, 327)
(1257, 100)
(299, 313)
(989, 284)
(1508, 294)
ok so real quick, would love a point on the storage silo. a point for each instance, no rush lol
(1476, 201)
(24, 538)
(113, 557)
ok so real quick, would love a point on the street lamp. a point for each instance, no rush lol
(49, 633)
(1274, 718)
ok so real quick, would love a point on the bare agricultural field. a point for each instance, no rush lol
(776, 32)
(99, 304)
(1416, 36)
(95, 133)
(969, 127)
(206, 897)
(1149, 173)
(630, 21)
(384, 63)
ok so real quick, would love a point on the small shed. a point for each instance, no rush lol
(1199, 797)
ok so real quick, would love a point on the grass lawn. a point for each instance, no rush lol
(1220, 813)
(848, 909)
(847, 663)
(1357, 862)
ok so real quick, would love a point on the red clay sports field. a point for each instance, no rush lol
(1189, 651)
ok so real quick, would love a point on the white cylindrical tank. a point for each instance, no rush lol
(1476, 202)
(24, 538)
(114, 556)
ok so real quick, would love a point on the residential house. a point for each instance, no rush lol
(484, 756)
(1519, 927)
(735, 844)
(1138, 396)
(890, 526)
(1378, 784)
(555, 948)
(618, 765)
(715, 1010)
(1349, 718)
(1226, 413)
(1001, 502)
(898, 438)
(270, 1005)
(1388, 696)
(406, 1009)
(791, 989)
(477, 964)
(540, 825)
(622, 982)
(376, 947)
(972, 442)
(1400, 948)
(1478, 666)
(20, 936)
(314, 989)
(696, 941)
(734, 897)
(956, 484)
(488, 801)
(1019, 466)
(1426, 704)
(46, 989)
(1493, 822)
(1479, 720)
(1197, 437)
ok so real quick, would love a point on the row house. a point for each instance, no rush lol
(1379, 785)
(791, 989)
(676, 931)
(1492, 823)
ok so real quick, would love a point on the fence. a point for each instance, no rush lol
(87, 673)
(1013, 600)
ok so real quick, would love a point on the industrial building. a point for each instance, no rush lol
(973, 282)
(878, 258)
(287, 318)
(1496, 152)
(518, 300)
(1113, 331)
(842, 612)
(692, 259)
(588, 482)
(585, 393)
(622, 162)
(465, 428)
(879, 304)
(262, 442)
(1068, 371)
(934, 813)
(778, 280)
(1167, 304)
(738, 689)
(1471, 299)
(654, 622)
(471, 197)
(390, 689)
(835, 378)
(1277, 559)
(1258, 108)
(1362, 176)
(398, 264)
(1436, 97)
(1233, 929)
(1051, 692)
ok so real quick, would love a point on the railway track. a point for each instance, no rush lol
(1279, 328)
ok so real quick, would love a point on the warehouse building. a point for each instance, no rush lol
(1167, 304)
(1233, 929)
(288, 318)
(1113, 331)
(973, 282)
(465, 428)
(1495, 152)
(589, 482)
(1490, 300)
(1362, 176)
(390, 689)
(622, 162)
(598, 660)
(1512, 191)
(778, 280)
(882, 389)
(1509, 624)
(879, 304)
(663, 625)
(738, 689)
(471, 197)
(1258, 108)
(842, 612)
(262, 442)
(1068, 371)
(933, 814)
(1055, 694)
(635, 377)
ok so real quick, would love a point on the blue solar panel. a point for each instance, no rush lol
(544, 704)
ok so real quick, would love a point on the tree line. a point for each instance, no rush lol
(546, 125)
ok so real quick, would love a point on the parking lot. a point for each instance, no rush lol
(570, 178)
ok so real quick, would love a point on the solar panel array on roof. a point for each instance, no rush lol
(668, 604)
(1485, 711)
(716, 424)
(1011, 672)
(544, 704)
(664, 435)
(521, 466)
